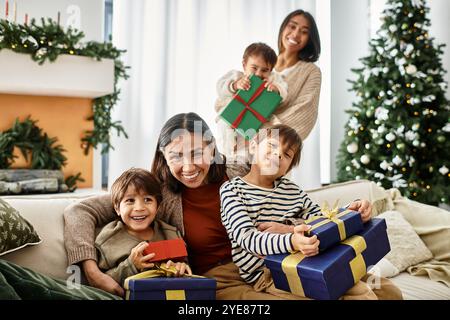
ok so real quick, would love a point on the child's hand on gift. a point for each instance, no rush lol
(139, 260)
(271, 87)
(242, 83)
(180, 267)
(364, 207)
(309, 246)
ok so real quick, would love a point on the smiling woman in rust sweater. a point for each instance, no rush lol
(191, 171)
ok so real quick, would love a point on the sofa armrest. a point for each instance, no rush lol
(348, 191)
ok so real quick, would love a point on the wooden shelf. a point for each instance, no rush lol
(68, 76)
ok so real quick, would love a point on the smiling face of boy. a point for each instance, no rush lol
(137, 210)
(257, 65)
(272, 156)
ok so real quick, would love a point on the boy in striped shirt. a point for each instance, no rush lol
(262, 211)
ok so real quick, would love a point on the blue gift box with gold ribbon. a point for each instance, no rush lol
(331, 273)
(162, 285)
(334, 226)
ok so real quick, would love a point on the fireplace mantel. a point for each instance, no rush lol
(67, 76)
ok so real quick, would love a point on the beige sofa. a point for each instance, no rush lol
(45, 212)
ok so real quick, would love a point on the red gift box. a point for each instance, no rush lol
(173, 249)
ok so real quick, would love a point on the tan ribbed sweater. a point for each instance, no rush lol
(300, 108)
(82, 218)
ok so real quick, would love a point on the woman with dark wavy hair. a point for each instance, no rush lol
(298, 49)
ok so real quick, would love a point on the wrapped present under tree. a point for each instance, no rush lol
(330, 274)
(250, 109)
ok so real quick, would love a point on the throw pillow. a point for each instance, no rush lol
(407, 249)
(15, 231)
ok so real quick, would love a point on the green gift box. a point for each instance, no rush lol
(250, 109)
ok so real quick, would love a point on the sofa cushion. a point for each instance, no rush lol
(15, 231)
(46, 214)
(407, 249)
(420, 288)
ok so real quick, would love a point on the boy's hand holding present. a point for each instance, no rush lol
(364, 207)
(181, 268)
(241, 83)
(139, 260)
(309, 246)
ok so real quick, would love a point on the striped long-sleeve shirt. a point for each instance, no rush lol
(245, 206)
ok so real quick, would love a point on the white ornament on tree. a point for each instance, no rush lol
(443, 170)
(390, 137)
(365, 159)
(352, 147)
(356, 164)
(409, 48)
(446, 128)
(410, 135)
(397, 160)
(392, 28)
(411, 69)
(382, 114)
(384, 165)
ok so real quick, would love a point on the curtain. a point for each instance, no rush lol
(177, 50)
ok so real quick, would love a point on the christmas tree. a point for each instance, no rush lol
(398, 131)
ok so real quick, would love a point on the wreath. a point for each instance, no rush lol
(36, 146)
(47, 42)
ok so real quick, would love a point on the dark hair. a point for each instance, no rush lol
(141, 179)
(262, 50)
(288, 136)
(311, 51)
(180, 123)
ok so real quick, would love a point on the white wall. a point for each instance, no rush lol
(349, 42)
(353, 23)
(85, 15)
(440, 26)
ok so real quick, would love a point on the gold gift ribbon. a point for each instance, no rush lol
(289, 267)
(175, 295)
(357, 264)
(160, 272)
(331, 215)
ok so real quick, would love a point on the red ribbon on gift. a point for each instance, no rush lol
(239, 118)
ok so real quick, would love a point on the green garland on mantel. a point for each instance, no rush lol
(49, 40)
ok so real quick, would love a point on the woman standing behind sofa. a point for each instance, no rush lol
(299, 48)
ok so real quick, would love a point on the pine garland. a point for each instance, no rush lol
(46, 42)
(36, 145)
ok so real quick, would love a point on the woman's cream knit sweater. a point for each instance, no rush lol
(300, 108)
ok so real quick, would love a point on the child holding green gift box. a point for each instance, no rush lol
(253, 206)
(135, 195)
(259, 59)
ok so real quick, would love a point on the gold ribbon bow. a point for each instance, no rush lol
(333, 215)
(160, 271)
